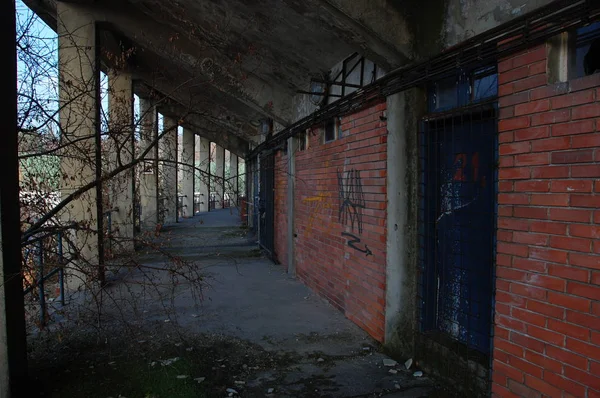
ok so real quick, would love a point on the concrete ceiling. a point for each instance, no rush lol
(236, 62)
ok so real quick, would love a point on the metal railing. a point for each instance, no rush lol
(41, 258)
(198, 201)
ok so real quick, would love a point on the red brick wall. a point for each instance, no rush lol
(547, 333)
(351, 278)
(281, 182)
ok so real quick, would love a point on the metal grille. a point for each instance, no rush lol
(479, 51)
(266, 204)
(457, 224)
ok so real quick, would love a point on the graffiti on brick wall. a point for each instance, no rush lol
(352, 201)
(321, 202)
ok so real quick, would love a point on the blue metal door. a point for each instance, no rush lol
(460, 213)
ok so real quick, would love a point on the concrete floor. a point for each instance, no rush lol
(246, 296)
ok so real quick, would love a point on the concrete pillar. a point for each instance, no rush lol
(233, 178)
(167, 154)
(403, 112)
(203, 173)
(291, 180)
(187, 172)
(121, 144)
(13, 351)
(219, 177)
(149, 168)
(78, 96)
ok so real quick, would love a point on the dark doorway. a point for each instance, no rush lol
(266, 205)
(457, 225)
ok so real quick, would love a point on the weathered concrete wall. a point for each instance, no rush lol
(467, 18)
(403, 114)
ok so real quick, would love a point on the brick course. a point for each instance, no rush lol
(547, 317)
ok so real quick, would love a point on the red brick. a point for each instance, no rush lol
(508, 347)
(513, 74)
(509, 100)
(564, 384)
(585, 111)
(505, 211)
(574, 99)
(511, 149)
(514, 123)
(505, 65)
(528, 238)
(572, 215)
(551, 144)
(580, 156)
(513, 198)
(529, 265)
(586, 141)
(571, 186)
(528, 291)
(531, 56)
(585, 231)
(530, 82)
(569, 301)
(584, 378)
(506, 112)
(505, 137)
(551, 117)
(511, 299)
(548, 227)
(586, 171)
(540, 213)
(507, 161)
(542, 387)
(584, 290)
(532, 186)
(592, 201)
(509, 371)
(586, 321)
(542, 253)
(550, 199)
(516, 173)
(546, 309)
(504, 236)
(513, 224)
(532, 107)
(538, 68)
(574, 244)
(546, 335)
(529, 317)
(500, 391)
(584, 260)
(549, 91)
(568, 329)
(526, 367)
(550, 172)
(505, 186)
(511, 274)
(545, 362)
(523, 340)
(568, 272)
(566, 356)
(584, 83)
(528, 159)
(532, 133)
(509, 248)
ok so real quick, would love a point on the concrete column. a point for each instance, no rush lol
(13, 347)
(403, 112)
(149, 168)
(167, 152)
(121, 194)
(233, 178)
(219, 187)
(204, 173)
(81, 160)
(291, 180)
(187, 172)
